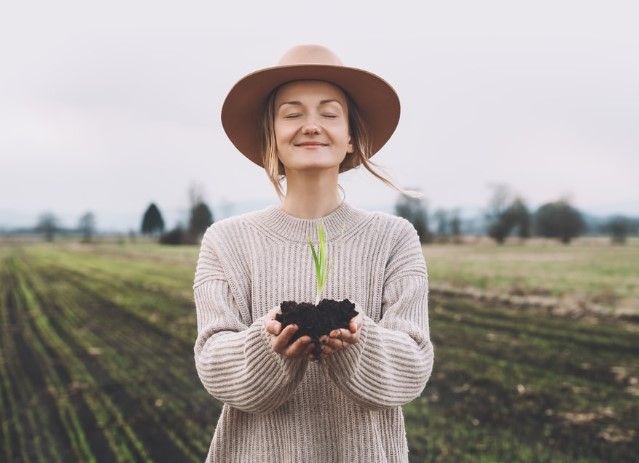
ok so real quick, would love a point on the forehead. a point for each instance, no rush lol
(309, 89)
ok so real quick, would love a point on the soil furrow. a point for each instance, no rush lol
(150, 431)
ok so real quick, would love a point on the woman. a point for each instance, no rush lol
(305, 121)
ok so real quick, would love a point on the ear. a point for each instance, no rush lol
(350, 146)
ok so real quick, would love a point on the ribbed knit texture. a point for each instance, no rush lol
(347, 407)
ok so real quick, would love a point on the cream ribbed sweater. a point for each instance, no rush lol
(346, 408)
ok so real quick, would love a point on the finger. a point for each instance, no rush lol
(351, 337)
(274, 327)
(346, 337)
(340, 333)
(334, 343)
(283, 339)
(328, 350)
(309, 350)
(298, 348)
(328, 341)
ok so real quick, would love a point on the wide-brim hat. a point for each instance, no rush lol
(376, 101)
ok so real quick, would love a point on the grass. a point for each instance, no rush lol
(589, 270)
(96, 359)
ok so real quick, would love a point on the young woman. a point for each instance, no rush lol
(305, 121)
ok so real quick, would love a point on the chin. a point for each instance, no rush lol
(313, 165)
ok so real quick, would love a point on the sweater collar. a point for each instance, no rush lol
(339, 222)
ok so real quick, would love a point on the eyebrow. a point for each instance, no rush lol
(299, 103)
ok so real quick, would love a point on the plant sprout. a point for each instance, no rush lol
(320, 260)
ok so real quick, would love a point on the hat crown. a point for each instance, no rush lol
(309, 54)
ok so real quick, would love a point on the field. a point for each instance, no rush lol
(96, 359)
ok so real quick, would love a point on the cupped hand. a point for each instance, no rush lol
(341, 338)
(280, 338)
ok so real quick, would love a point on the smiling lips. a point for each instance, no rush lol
(311, 144)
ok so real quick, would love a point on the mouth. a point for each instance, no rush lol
(311, 144)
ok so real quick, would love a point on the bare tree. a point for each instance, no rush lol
(86, 225)
(441, 224)
(47, 224)
(501, 215)
(455, 226)
(415, 211)
(618, 227)
(196, 194)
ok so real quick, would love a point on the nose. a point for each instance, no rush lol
(310, 128)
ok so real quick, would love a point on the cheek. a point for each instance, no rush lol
(283, 132)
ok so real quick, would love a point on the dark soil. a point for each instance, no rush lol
(316, 320)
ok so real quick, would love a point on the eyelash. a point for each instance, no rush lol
(291, 116)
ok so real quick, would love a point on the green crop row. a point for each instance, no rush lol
(96, 363)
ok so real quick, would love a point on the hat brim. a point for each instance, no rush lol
(376, 101)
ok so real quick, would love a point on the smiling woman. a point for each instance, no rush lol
(311, 116)
(306, 121)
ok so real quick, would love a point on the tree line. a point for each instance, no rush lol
(507, 215)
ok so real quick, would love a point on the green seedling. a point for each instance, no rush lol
(320, 261)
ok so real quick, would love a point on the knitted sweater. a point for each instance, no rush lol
(346, 407)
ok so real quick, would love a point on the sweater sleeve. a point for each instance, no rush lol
(234, 359)
(392, 361)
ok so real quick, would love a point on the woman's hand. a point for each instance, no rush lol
(342, 338)
(280, 338)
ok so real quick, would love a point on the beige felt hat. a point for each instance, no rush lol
(376, 100)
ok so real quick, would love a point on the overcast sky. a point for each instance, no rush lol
(109, 106)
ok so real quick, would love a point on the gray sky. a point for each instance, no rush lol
(108, 107)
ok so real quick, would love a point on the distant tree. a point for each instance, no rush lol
(521, 216)
(498, 222)
(559, 220)
(455, 225)
(618, 227)
(47, 224)
(87, 226)
(516, 216)
(415, 211)
(201, 218)
(152, 222)
(175, 236)
(196, 194)
(501, 228)
(506, 212)
(441, 224)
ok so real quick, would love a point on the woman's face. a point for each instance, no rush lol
(311, 125)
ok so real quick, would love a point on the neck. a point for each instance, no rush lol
(339, 223)
(311, 196)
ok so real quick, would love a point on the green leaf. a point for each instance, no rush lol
(320, 258)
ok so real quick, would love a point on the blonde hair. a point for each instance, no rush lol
(359, 136)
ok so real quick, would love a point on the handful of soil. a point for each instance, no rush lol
(316, 320)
